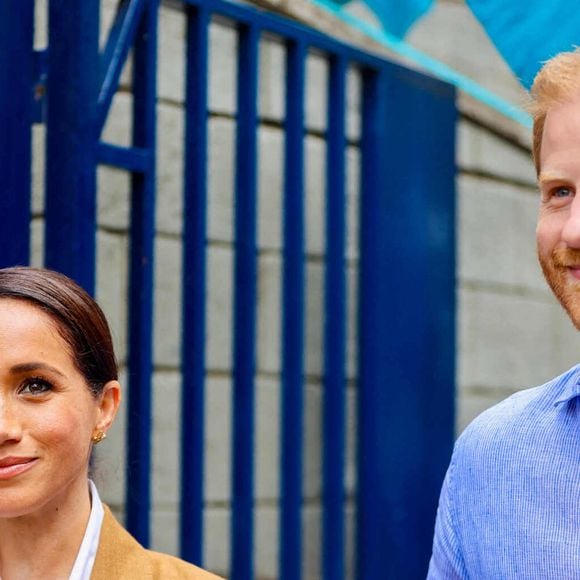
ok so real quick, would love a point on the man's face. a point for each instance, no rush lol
(558, 230)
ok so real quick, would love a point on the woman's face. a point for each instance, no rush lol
(47, 414)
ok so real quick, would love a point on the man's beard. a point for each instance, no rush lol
(555, 268)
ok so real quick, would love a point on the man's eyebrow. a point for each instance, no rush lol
(32, 367)
(549, 177)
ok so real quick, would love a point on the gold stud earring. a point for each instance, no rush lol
(99, 436)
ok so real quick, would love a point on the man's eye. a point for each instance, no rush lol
(562, 192)
(35, 387)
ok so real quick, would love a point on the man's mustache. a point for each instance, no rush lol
(566, 257)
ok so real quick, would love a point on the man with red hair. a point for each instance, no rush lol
(510, 503)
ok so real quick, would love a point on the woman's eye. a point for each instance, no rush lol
(35, 387)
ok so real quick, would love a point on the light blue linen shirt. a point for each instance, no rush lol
(510, 503)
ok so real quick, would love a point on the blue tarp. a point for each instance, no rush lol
(525, 32)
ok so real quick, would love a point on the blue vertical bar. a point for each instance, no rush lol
(141, 280)
(335, 328)
(70, 209)
(292, 411)
(408, 350)
(16, 97)
(244, 347)
(371, 559)
(194, 283)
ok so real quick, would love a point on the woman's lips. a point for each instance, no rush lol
(13, 466)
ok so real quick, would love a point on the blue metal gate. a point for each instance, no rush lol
(406, 317)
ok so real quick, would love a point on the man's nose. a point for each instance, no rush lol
(10, 422)
(571, 231)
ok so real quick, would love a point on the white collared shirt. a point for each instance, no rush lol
(85, 560)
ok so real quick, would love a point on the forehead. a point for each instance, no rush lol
(561, 137)
(22, 314)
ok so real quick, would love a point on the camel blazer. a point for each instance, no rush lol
(121, 557)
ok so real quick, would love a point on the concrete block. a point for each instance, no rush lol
(315, 202)
(221, 179)
(218, 439)
(166, 442)
(311, 542)
(112, 286)
(167, 302)
(37, 242)
(119, 123)
(314, 318)
(172, 46)
(170, 153)
(223, 51)
(107, 12)
(267, 542)
(40, 24)
(268, 430)
(481, 151)
(272, 79)
(352, 308)
(269, 313)
(497, 234)
(316, 107)
(506, 341)
(165, 531)
(109, 466)
(353, 171)
(450, 33)
(312, 444)
(216, 545)
(270, 187)
(354, 104)
(38, 167)
(350, 476)
(350, 541)
(219, 309)
(113, 197)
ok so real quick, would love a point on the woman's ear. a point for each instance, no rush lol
(109, 400)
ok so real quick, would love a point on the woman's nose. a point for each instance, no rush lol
(10, 423)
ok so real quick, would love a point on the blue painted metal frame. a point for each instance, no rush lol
(245, 272)
(194, 283)
(120, 40)
(70, 205)
(292, 384)
(373, 372)
(407, 330)
(406, 334)
(141, 280)
(16, 114)
(334, 407)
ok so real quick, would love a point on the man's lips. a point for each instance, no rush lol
(574, 271)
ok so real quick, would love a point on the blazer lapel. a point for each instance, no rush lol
(119, 555)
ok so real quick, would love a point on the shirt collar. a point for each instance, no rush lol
(571, 388)
(83, 565)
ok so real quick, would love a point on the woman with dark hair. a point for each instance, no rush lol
(59, 395)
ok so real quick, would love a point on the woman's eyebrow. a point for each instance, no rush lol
(34, 366)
